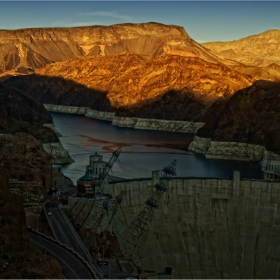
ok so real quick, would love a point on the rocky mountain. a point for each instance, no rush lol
(257, 50)
(172, 105)
(110, 82)
(24, 50)
(251, 115)
(270, 72)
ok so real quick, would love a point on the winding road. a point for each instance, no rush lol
(72, 267)
(65, 233)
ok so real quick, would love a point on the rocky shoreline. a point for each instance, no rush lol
(211, 149)
(136, 123)
(59, 154)
(227, 150)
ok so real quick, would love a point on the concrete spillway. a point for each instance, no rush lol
(208, 228)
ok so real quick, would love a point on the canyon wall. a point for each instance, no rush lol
(59, 154)
(227, 150)
(52, 127)
(137, 123)
(207, 228)
(66, 109)
(99, 115)
(155, 124)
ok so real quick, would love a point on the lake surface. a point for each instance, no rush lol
(142, 150)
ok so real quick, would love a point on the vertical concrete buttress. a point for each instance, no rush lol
(236, 182)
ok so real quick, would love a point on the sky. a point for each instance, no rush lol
(204, 21)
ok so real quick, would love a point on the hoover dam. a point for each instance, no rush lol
(204, 227)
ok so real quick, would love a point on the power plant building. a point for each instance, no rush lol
(86, 184)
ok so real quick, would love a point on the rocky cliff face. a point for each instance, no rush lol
(156, 124)
(109, 82)
(12, 225)
(24, 50)
(172, 105)
(270, 72)
(20, 113)
(18, 260)
(251, 116)
(256, 50)
(22, 157)
(22, 133)
(227, 150)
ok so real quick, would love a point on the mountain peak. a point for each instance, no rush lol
(255, 50)
(34, 48)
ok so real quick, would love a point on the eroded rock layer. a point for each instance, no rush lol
(109, 82)
(27, 49)
(257, 50)
(21, 114)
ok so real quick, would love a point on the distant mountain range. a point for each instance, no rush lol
(25, 50)
(257, 50)
(256, 55)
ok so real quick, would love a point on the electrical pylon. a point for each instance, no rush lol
(98, 186)
(106, 169)
(133, 239)
(100, 220)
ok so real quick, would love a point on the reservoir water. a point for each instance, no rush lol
(142, 150)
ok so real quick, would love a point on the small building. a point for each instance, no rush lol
(96, 166)
(85, 185)
(271, 166)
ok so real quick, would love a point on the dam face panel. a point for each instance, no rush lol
(208, 228)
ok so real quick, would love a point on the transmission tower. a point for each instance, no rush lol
(98, 186)
(107, 169)
(114, 208)
(133, 239)
(101, 219)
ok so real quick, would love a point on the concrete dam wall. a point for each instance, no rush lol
(208, 228)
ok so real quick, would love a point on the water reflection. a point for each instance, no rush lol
(143, 150)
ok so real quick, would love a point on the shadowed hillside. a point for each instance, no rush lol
(251, 115)
(128, 79)
(20, 113)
